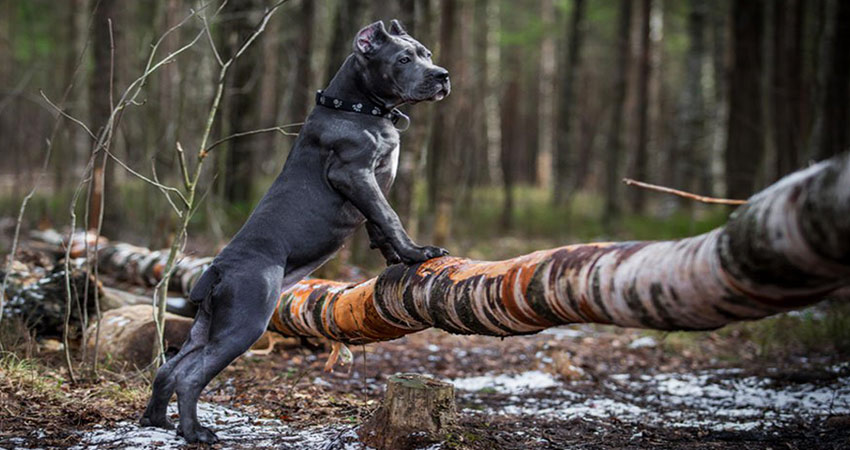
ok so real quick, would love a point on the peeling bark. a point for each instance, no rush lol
(786, 248)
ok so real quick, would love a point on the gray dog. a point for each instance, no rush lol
(335, 178)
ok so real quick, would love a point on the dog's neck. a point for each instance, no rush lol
(348, 84)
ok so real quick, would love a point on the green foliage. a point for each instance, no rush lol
(37, 22)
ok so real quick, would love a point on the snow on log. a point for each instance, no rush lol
(787, 247)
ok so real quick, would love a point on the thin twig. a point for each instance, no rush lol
(688, 195)
(68, 116)
(261, 130)
(164, 192)
(181, 159)
(267, 15)
(146, 179)
(210, 38)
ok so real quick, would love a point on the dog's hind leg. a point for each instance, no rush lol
(155, 414)
(165, 381)
(240, 315)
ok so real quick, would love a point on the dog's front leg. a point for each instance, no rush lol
(356, 182)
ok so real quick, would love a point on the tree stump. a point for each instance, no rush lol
(417, 410)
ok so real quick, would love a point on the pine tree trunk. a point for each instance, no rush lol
(569, 72)
(689, 168)
(745, 144)
(303, 84)
(641, 157)
(618, 110)
(100, 109)
(836, 100)
(414, 142)
(445, 162)
(787, 92)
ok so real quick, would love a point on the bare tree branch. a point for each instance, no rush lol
(667, 190)
(262, 130)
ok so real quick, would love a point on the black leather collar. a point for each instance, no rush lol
(367, 108)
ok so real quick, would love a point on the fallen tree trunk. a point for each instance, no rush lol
(788, 247)
(128, 334)
(38, 299)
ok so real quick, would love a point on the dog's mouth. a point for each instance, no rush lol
(433, 93)
(443, 90)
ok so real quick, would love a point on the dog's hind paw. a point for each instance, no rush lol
(162, 422)
(198, 434)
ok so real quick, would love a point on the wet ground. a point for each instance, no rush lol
(577, 387)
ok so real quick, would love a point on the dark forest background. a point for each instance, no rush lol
(553, 102)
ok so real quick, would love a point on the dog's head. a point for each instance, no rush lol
(396, 67)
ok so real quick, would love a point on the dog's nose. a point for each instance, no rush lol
(442, 74)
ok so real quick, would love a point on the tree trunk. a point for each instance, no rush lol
(719, 106)
(569, 71)
(303, 83)
(414, 142)
(787, 93)
(836, 100)
(546, 88)
(100, 108)
(641, 157)
(745, 143)
(785, 249)
(128, 334)
(39, 301)
(511, 139)
(689, 169)
(618, 111)
(447, 136)
(348, 19)
(242, 95)
(269, 101)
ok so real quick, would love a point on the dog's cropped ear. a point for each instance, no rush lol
(396, 28)
(371, 38)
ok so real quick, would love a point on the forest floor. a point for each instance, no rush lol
(574, 387)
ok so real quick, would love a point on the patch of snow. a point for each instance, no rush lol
(643, 342)
(507, 384)
(561, 333)
(720, 400)
(235, 429)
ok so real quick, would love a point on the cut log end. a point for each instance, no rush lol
(128, 334)
(417, 410)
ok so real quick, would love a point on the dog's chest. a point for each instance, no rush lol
(386, 163)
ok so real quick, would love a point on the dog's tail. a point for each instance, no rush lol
(203, 289)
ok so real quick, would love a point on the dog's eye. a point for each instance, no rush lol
(404, 60)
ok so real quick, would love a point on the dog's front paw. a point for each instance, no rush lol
(420, 254)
